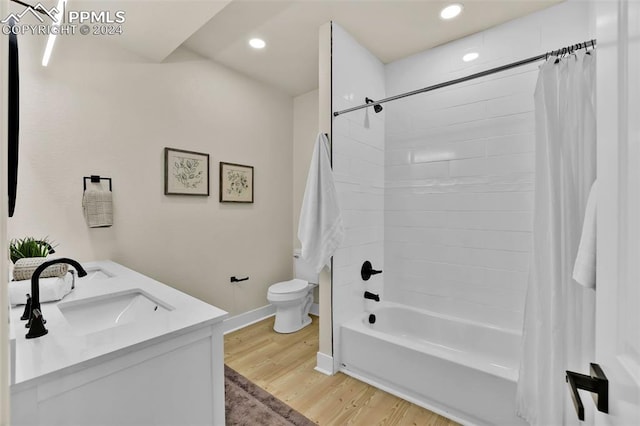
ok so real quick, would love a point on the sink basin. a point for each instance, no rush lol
(111, 310)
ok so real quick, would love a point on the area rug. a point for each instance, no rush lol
(247, 404)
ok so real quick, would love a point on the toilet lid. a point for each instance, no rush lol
(288, 286)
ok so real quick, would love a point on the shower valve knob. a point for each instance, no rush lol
(367, 271)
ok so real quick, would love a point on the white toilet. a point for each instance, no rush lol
(293, 299)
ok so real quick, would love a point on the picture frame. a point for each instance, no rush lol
(236, 183)
(186, 172)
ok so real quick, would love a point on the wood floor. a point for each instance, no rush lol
(282, 364)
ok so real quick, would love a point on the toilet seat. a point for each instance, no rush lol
(290, 286)
(288, 290)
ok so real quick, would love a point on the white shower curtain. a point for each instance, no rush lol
(558, 331)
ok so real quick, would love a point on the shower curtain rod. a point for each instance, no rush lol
(562, 51)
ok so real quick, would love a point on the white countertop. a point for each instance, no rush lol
(64, 349)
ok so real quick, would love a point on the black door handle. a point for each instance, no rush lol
(596, 383)
(367, 270)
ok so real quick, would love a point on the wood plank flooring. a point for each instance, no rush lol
(282, 364)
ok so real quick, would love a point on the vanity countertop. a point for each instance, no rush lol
(66, 349)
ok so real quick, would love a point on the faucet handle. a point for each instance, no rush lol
(36, 327)
(27, 309)
(367, 271)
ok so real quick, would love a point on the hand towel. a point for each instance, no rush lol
(320, 229)
(584, 270)
(50, 289)
(25, 267)
(98, 208)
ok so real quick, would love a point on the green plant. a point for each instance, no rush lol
(30, 247)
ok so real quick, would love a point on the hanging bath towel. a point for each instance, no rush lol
(320, 229)
(98, 208)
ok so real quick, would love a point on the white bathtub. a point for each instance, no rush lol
(462, 370)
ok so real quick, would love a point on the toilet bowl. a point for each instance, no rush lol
(293, 299)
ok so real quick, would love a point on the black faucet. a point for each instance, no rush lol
(367, 270)
(368, 295)
(36, 321)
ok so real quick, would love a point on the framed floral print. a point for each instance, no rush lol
(185, 172)
(236, 183)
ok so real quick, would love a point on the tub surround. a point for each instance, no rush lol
(72, 362)
(459, 170)
(358, 168)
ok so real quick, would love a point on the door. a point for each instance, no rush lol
(618, 238)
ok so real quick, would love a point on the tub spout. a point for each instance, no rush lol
(368, 295)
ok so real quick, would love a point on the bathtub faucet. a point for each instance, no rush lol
(368, 295)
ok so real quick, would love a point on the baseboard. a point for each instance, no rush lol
(324, 364)
(315, 309)
(243, 320)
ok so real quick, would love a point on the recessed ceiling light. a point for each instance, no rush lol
(471, 56)
(451, 11)
(257, 43)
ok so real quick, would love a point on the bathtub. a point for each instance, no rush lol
(462, 370)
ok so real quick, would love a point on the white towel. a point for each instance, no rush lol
(320, 229)
(584, 270)
(50, 289)
(98, 208)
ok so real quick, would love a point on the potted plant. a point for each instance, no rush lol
(29, 247)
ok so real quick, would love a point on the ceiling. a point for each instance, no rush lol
(154, 28)
(220, 30)
(390, 29)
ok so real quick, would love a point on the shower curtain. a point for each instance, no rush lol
(559, 329)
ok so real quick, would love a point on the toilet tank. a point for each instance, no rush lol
(303, 270)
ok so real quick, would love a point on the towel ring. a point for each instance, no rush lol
(96, 179)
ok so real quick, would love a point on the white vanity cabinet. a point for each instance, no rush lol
(167, 370)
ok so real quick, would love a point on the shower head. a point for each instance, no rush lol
(376, 108)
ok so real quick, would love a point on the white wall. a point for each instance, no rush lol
(325, 360)
(99, 110)
(358, 167)
(459, 170)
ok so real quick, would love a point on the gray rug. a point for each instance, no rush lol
(247, 404)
